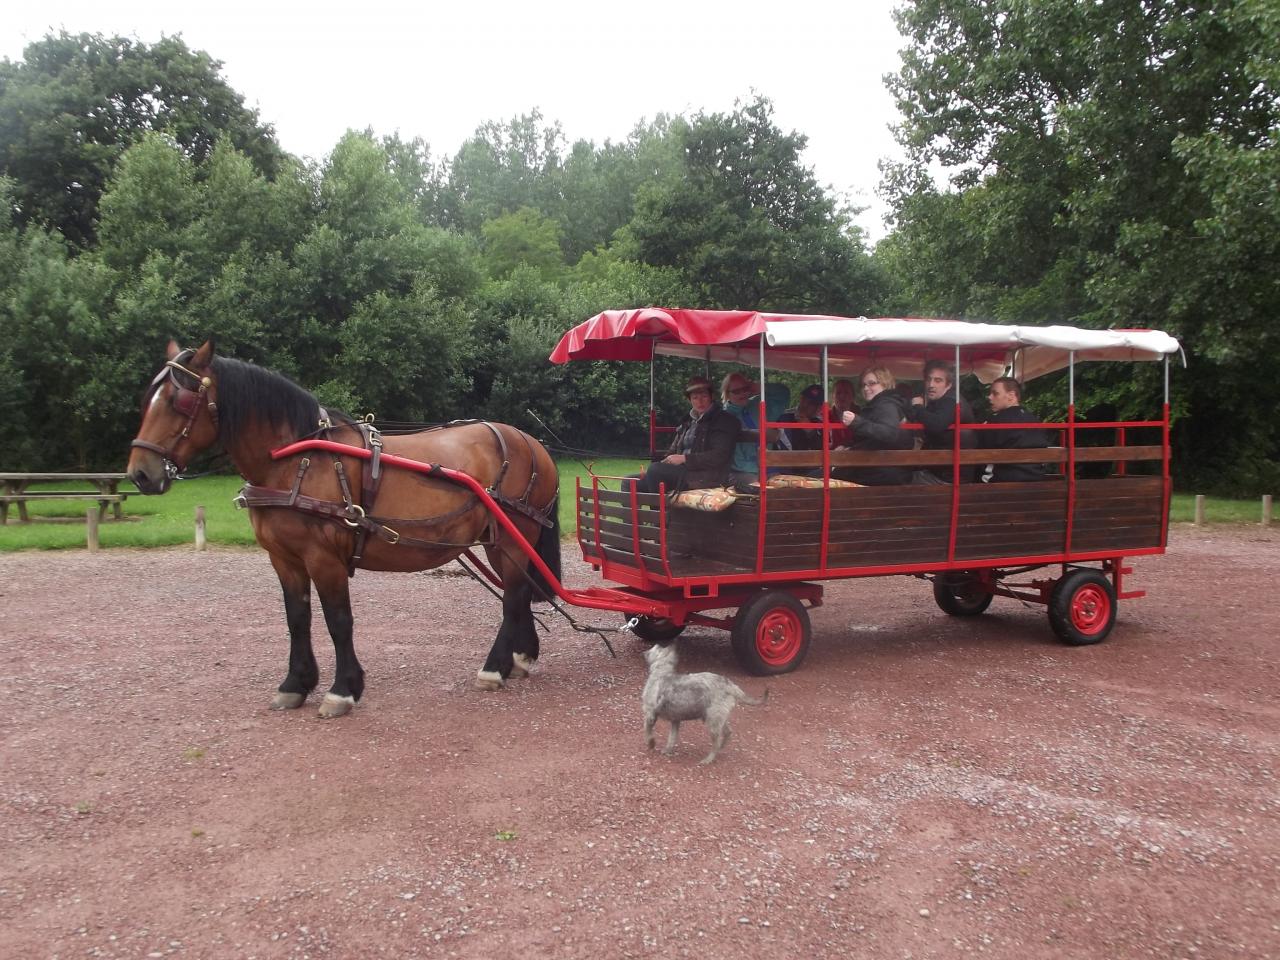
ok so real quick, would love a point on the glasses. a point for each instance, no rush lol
(870, 383)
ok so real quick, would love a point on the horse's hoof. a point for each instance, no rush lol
(488, 681)
(522, 666)
(335, 706)
(287, 701)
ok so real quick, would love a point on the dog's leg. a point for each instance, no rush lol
(649, 720)
(719, 737)
(672, 737)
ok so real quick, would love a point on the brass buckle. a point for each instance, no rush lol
(357, 511)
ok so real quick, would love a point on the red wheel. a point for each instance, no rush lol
(1082, 608)
(771, 633)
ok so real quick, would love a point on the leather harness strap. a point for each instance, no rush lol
(359, 516)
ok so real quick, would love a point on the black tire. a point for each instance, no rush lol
(1082, 608)
(657, 630)
(960, 594)
(771, 633)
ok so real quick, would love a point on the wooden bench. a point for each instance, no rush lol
(14, 489)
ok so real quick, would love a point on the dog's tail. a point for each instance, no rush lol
(742, 697)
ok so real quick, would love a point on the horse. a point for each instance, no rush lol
(320, 515)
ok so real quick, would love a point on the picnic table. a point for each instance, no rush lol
(14, 490)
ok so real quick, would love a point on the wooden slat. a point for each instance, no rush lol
(624, 499)
(624, 529)
(646, 518)
(625, 544)
(627, 559)
(935, 458)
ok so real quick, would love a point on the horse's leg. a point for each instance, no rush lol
(303, 673)
(517, 625)
(348, 675)
(524, 642)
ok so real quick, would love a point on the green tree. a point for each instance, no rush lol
(1111, 164)
(747, 224)
(522, 238)
(76, 102)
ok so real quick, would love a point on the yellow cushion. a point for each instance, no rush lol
(712, 499)
(794, 480)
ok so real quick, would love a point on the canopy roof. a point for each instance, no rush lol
(792, 341)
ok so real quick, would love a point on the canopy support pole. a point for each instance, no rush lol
(1071, 448)
(825, 438)
(762, 445)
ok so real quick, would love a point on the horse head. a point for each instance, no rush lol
(179, 418)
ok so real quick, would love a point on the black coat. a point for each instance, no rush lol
(714, 435)
(878, 427)
(937, 417)
(802, 439)
(1014, 440)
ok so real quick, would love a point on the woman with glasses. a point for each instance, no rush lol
(877, 426)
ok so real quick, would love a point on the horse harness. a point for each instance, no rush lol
(185, 401)
(360, 516)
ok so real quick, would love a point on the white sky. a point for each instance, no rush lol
(315, 70)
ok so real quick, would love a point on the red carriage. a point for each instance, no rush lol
(1061, 541)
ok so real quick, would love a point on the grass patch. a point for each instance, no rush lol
(1182, 509)
(149, 521)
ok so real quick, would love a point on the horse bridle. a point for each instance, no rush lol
(185, 401)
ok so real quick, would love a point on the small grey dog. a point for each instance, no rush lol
(676, 697)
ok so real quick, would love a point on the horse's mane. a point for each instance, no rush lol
(247, 391)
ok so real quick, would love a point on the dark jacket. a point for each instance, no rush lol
(1014, 440)
(878, 427)
(937, 418)
(714, 436)
(802, 439)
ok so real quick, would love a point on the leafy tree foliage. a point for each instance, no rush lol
(75, 103)
(522, 238)
(1112, 165)
(747, 224)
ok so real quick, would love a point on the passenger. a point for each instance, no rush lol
(842, 402)
(1005, 395)
(877, 427)
(741, 399)
(936, 411)
(700, 453)
(805, 411)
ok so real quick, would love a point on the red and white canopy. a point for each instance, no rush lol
(792, 342)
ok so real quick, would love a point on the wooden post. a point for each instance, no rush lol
(200, 537)
(91, 519)
(1266, 510)
(1199, 510)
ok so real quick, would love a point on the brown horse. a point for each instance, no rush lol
(320, 515)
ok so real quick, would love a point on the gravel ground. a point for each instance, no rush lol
(923, 787)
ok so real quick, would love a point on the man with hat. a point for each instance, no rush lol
(703, 446)
(805, 411)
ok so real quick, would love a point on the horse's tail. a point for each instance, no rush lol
(548, 550)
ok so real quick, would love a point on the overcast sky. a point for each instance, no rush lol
(315, 70)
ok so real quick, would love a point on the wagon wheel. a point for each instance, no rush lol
(961, 594)
(1082, 607)
(771, 633)
(657, 629)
